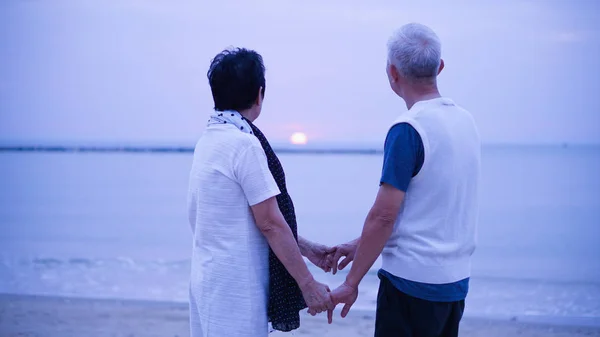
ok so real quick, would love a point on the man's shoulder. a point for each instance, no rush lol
(447, 103)
(405, 128)
(445, 108)
(402, 127)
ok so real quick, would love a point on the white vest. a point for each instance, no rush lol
(435, 233)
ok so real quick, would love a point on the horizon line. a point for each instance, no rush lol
(290, 148)
(16, 142)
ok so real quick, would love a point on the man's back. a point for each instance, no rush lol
(434, 235)
(426, 207)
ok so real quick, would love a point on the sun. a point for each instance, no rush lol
(299, 138)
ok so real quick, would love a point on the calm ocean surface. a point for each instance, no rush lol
(114, 225)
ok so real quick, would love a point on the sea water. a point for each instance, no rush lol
(114, 225)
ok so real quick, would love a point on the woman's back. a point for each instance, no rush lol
(230, 270)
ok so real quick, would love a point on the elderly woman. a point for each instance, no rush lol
(247, 266)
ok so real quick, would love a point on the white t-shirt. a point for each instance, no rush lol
(230, 265)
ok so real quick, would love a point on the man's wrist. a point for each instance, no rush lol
(352, 281)
(352, 284)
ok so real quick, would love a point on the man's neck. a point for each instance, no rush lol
(414, 98)
(418, 94)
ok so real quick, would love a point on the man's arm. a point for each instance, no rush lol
(403, 158)
(376, 232)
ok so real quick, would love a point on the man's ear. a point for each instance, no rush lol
(441, 66)
(394, 73)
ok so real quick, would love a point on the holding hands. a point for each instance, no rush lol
(346, 250)
(320, 255)
(317, 297)
(328, 259)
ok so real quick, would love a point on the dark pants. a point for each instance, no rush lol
(401, 315)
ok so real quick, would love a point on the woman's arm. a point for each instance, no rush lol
(273, 226)
(305, 246)
(252, 173)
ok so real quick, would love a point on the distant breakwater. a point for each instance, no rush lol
(173, 149)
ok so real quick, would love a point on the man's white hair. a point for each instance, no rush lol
(416, 51)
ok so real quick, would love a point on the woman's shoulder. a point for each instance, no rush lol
(231, 139)
(245, 150)
(243, 141)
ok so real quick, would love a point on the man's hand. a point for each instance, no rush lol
(347, 250)
(319, 255)
(317, 297)
(346, 294)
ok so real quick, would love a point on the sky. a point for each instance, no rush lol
(135, 70)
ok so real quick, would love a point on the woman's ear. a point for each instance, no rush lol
(259, 97)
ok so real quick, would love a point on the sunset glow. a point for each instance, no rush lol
(298, 138)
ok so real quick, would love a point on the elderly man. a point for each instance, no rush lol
(424, 218)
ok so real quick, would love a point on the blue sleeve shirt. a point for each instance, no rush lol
(403, 158)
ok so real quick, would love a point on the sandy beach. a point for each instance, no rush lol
(64, 317)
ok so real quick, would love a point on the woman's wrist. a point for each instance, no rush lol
(306, 282)
(305, 246)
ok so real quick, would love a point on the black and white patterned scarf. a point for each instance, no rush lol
(285, 297)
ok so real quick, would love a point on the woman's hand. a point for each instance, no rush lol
(317, 297)
(318, 254)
